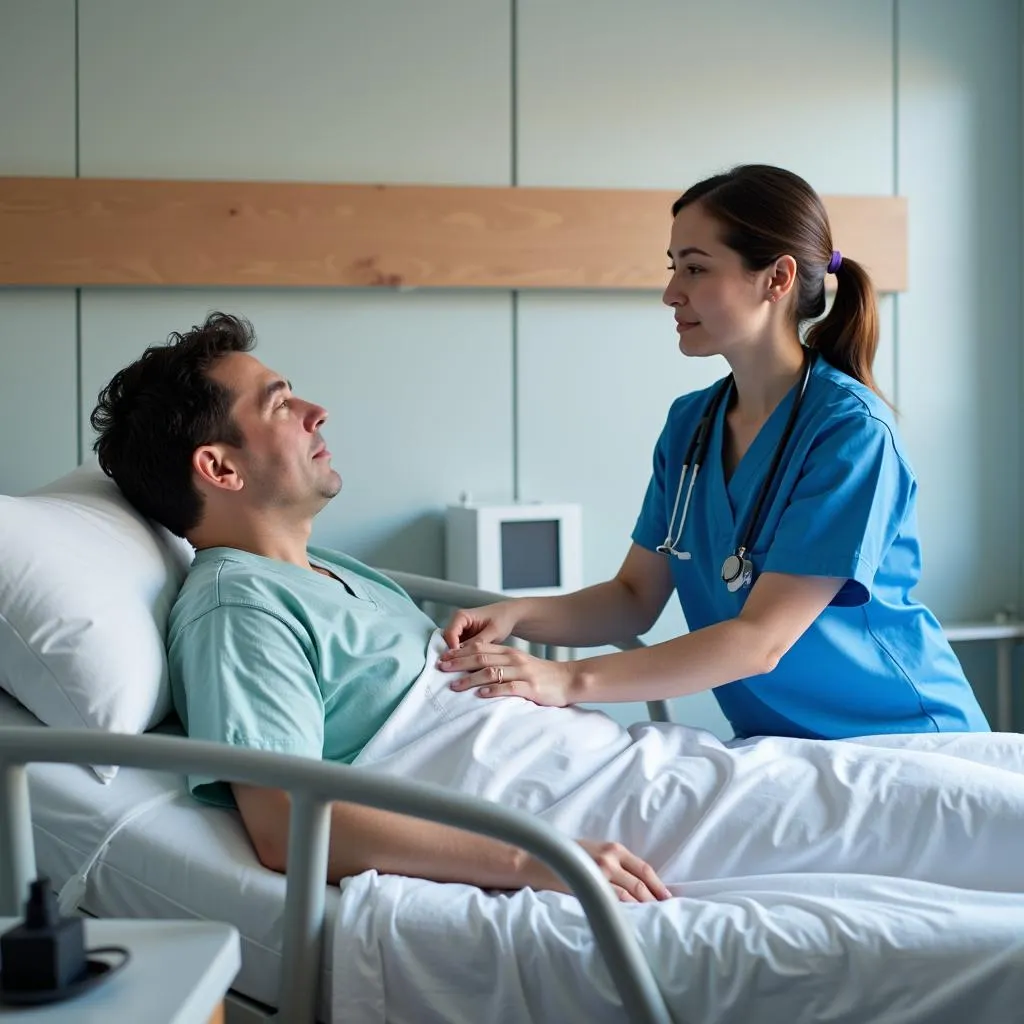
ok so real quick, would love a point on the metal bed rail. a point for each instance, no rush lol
(313, 785)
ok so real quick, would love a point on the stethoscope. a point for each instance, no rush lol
(737, 569)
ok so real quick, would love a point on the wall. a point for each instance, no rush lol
(552, 395)
(38, 334)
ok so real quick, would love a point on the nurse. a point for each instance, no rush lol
(793, 546)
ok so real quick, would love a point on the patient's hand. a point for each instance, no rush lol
(497, 671)
(490, 624)
(633, 879)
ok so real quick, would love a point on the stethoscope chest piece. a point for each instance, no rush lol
(737, 572)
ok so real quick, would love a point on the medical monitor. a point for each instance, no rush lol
(523, 550)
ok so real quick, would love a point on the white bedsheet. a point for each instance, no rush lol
(875, 880)
(180, 860)
(798, 949)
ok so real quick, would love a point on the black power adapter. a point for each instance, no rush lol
(46, 952)
(44, 959)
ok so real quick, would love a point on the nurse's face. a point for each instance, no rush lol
(719, 305)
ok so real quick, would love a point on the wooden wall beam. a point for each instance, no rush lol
(75, 232)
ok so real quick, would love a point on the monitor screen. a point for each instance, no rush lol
(530, 554)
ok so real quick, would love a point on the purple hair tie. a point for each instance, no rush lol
(836, 261)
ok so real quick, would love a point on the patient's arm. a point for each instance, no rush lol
(366, 837)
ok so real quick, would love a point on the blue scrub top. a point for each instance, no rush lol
(843, 505)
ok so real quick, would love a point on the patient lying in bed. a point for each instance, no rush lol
(282, 646)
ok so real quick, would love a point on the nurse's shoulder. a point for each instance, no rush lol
(840, 403)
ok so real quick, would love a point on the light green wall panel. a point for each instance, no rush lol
(417, 387)
(366, 90)
(596, 378)
(959, 356)
(38, 429)
(37, 389)
(656, 93)
(37, 87)
(885, 359)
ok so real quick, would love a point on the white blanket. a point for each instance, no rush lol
(794, 949)
(943, 810)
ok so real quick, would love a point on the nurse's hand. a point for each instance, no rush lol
(497, 671)
(490, 624)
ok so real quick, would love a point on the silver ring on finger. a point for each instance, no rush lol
(501, 674)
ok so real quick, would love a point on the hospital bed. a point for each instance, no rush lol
(408, 950)
(382, 948)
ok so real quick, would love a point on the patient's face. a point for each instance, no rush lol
(284, 461)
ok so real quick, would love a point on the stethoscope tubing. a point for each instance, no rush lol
(696, 453)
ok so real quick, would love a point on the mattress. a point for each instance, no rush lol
(174, 859)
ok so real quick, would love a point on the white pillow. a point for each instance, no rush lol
(86, 586)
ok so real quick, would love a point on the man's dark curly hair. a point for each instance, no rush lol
(153, 415)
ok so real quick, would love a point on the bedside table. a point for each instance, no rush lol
(178, 973)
